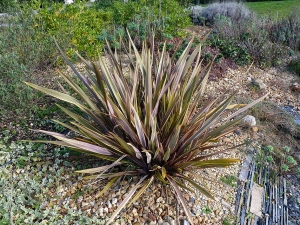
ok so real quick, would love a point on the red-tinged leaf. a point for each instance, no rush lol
(78, 144)
(139, 128)
(97, 169)
(117, 174)
(141, 191)
(181, 199)
(137, 152)
(248, 106)
(58, 95)
(125, 201)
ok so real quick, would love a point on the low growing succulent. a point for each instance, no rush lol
(147, 120)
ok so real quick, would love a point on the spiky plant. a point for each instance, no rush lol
(148, 119)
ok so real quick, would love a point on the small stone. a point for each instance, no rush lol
(255, 129)
(84, 204)
(85, 207)
(73, 191)
(160, 210)
(185, 222)
(114, 201)
(141, 211)
(124, 182)
(250, 120)
(135, 215)
(187, 197)
(44, 205)
(101, 211)
(160, 199)
(295, 86)
(227, 140)
(151, 217)
(237, 132)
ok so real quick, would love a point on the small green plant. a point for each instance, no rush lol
(284, 168)
(206, 210)
(229, 180)
(228, 221)
(294, 66)
(250, 215)
(280, 160)
(269, 159)
(147, 123)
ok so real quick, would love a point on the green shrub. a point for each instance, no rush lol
(247, 41)
(77, 23)
(294, 66)
(6, 6)
(236, 12)
(23, 50)
(147, 122)
(167, 17)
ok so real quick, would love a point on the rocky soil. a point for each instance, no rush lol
(158, 205)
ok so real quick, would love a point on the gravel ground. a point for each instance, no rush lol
(158, 205)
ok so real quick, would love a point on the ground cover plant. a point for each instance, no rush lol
(31, 177)
(147, 123)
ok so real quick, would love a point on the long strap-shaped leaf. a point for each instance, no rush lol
(197, 186)
(78, 144)
(141, 191)
(208, 123)
(210, 163)
(181, 199)
(125, 201)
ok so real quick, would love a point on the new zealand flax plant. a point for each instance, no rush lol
(147, 118)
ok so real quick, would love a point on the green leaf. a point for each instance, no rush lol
(197, 186)
(107, 186)
(163, 172)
